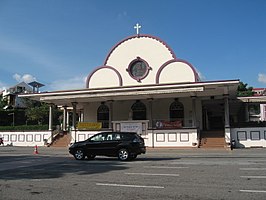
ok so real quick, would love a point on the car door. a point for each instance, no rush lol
(95, 144)
(109, 144)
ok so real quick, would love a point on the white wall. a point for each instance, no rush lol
(249, 137)
(156, 138)
(172, 138)
(26, 138)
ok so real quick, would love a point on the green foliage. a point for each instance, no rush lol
(37, 112)
(244, 91)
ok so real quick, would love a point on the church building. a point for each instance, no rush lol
(143, 86)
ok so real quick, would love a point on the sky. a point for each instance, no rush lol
(60, 42)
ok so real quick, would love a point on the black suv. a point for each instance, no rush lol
(124, 145)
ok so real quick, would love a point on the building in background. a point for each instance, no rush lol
(11, 95)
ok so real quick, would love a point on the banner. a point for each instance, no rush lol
(168, 124)
(89, 125)
(132, 127)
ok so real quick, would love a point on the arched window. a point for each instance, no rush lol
(176, 111)
(138, 111)
(103, 115)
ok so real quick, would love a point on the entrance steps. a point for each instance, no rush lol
(61, 140)
(212, 139)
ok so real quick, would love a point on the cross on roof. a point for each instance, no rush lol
(137, 27)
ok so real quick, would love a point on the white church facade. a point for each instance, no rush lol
(143, 86)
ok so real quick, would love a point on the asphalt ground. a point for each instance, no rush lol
(159, 174)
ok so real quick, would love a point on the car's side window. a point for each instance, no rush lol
(116, 136)
(98, 138)
(109, 136)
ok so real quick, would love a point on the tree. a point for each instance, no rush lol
(243, 90)
(37, 112)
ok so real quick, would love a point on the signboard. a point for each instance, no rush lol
(131, 127)
(168, 124)
(89, 125)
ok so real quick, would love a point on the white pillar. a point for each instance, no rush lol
(74, 119)
(64, 118)
(50, 117)
(67, 119)
(81, 116)
(194, 114)
(226, 112)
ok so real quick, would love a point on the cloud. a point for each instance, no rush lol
(27, 78)
(3, 86)
(67, 84)
(262, 78)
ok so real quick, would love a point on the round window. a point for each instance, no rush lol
(138, 69)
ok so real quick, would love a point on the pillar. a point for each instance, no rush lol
(226, 111)
(64, 118)
(81, 118)
(110, 113)
(194, 112)
(51, 117)
(67, 119)
(247, 118)
(150, 112)
(74, 115)
(74, 119)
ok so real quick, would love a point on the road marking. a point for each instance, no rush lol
(253, 191)
(149, 174)
(253, 176)
(132, 186)
(253, 169)
(164, 167)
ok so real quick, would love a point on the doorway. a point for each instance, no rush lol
(213, 114)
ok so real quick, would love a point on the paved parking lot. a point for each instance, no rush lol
(159, 174)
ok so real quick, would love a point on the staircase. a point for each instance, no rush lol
(212, 139)
(61, 140)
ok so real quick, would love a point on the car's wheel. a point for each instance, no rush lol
(123, 154)
(79, 154)
(91, 157)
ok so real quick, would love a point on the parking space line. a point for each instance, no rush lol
(259, 177)
(164, 167)
(150, 174)
(252, 169)
(253, 191)
(132, 186)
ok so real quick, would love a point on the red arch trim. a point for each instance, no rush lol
(104, 67)
(196, 76)
(140, 36)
